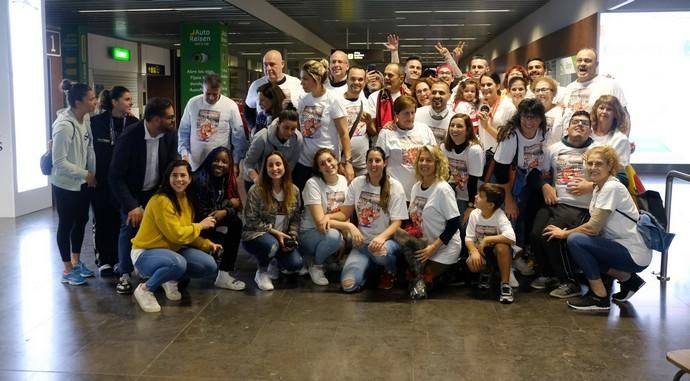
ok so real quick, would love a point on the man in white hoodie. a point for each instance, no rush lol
(211, 120)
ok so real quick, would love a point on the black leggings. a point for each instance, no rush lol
(73, 214)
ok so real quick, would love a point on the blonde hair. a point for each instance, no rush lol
(317, 70)
(552, 83)
(440, 159)
(608, 154)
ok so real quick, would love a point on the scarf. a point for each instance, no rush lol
(384, 109)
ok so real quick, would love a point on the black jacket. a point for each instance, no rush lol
(128, 165)
(103, 142)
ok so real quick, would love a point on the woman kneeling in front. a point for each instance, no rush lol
(609, 242)
(168, 245)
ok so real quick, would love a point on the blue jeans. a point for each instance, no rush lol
(266, 246)
(358, 262)
(163, 265)
(124, 245)
(320, 246)
(596, 255)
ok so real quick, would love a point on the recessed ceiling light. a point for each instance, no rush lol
(428, 25)
(150, 10)
(261, 43)
(459, 11)
(613, 8)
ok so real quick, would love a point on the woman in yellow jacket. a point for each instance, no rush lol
(168, 244)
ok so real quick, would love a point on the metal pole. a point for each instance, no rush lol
(663, 273)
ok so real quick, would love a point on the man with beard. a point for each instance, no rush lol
(381, 101)
(437, 115)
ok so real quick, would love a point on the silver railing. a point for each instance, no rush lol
(662, 275)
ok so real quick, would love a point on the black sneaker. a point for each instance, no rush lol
(590, 302)
(418, 290)
(106, 271)
(484, 280)
(628, 288)
(123, 286)
(506, 294)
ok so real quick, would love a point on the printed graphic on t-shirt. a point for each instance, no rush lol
(352, 113)
(532, 155)
(481, 231)
(458, 174)
(416, 208)
(368, 208)
(207, 124)
(579, 99)
(409, 151)
(568, 167)
(281, 215)
(311, 121)
(439, 134)
(333, 201)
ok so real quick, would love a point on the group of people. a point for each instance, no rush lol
(400, 174)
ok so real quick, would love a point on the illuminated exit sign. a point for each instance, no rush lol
(119, 54)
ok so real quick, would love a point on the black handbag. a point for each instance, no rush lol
(46, 161)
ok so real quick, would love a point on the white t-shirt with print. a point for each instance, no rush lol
(291, 86)
(401, 147)
(282, 222)
(317, 124)
(365, 197)
(469, 109)
(341, 90)
(530, 152)
(619, 142)
(469, 162)
(567, 164)
(429, 210)
(555, 131)
(505, 110)
(439, 127)
(359, 140)
(317, 192)
(479, 227)
(615, 196)
(582, 95)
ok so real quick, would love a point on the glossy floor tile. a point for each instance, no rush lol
(303, 332)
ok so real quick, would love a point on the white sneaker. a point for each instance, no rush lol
(525, 267)
(303, 271)
(317, 276)
(171, 291)
(146, 300)
(273, 269)
(513, 281)
(225, 280)
(263, 280)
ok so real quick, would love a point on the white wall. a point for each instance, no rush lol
(98, 54)
(155, 55)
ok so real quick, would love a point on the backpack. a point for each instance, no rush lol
(653, 234)
(46, 161)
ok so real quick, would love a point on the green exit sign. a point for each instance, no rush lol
(119, 54)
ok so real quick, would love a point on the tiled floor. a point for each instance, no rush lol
(300, 332)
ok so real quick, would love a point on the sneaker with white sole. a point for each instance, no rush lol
(73, 278)
(628, 288)
(124, 287)
(146, 300)
(513, 280)
(227, 281)
(590, 302)
(84, 271)
(506, 296)
(484, 280)
(317, 275)
(171, 291)
(544, 282)
(273, 269)
(566, 290)
(263, 281)
(524, 266)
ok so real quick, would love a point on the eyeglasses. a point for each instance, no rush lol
(542, 90)
(580, 122)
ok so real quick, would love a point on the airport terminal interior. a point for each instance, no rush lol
(302, 331)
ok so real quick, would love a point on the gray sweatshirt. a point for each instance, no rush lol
(265, 142)
(73, 154)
